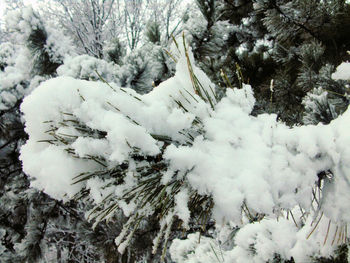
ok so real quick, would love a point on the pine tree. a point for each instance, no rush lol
(287, 49)
(209, 37)
(230, 43)
(163, 168)
(307, 35)
(264, 41)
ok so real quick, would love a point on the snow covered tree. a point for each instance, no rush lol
(88, 68)
(33, 226)
(263, 41)
(48, 46)
(169, 17)
(93, 23)
(328, 101)
(137, 155)
(208, 36)
(166, 14)
(134, 18)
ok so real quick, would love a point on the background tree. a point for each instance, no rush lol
(134, 15)
(169, 16)
(88, 23)
(307, 35)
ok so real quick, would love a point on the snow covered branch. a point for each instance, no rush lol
(178, 152)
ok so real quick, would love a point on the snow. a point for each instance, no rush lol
(17, 79)
(235, 158)
(23, 20)
(189, 251)
(58, 46)
(264, 239)
(258, 242)
(181, 207)
(342, 72)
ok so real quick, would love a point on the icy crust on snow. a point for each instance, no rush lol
(236, 158)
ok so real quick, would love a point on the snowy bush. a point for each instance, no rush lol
(26, 23)
(180, 154)
(325, 103)
(87, 68)
(23, 21)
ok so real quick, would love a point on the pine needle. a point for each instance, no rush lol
(214, 252)
(325, 239)
(340, 234)
(335, 235)
(104, 81)
(293, 219)
(315, 226)
(177, 46)
(170, 55)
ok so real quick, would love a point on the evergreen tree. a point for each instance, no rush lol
(136, 71)
(208, 37)
(286, 42)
